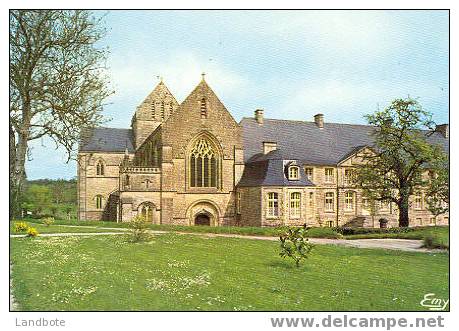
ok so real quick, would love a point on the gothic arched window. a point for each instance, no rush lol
(99, 201)
(204, 162)
(100, 168)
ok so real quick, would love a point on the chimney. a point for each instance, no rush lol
(319, 120)
(443, 129)
(259, 116)
(269, 146)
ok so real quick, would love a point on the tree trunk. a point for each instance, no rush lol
(19, 175)
(13, 196)
(403, 217)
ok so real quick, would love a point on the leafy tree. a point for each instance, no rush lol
(437, 194)
(38, 198)
(394, 170)
(295, 244)
(57, 82)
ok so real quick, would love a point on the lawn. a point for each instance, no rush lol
(64, 229)
(411, 233)
(182, 272)
(440, 232)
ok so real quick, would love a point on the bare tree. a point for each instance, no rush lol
(58, 82)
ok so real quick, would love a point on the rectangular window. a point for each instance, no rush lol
(329, 175)
(418, 201)
(309, 173)
(446, 219)
(348, 176)
(329, 224)
(238, 202)
(273, 205)
(349, 201)
(418, 221)
(329, 201)
(295, 204)
(311, 199)
(293, 173)
(432, 220)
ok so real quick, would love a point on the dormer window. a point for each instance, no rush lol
(293, 173)
(203, 108)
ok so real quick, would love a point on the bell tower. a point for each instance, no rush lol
(152, 112)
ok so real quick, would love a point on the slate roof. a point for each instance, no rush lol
(305, 142)
(269, 171)
(102, 139)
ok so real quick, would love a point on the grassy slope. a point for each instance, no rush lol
(179, 272)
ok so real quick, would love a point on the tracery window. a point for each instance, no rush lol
(204, 163)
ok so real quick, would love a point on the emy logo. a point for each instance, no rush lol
(434, 303)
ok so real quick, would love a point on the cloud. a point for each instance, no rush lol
(136, 75)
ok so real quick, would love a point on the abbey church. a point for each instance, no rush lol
(193, 164)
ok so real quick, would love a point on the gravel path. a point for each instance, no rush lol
(392, 244)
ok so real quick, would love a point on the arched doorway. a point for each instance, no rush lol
(203, 212)
(202, 219)
(148, 211)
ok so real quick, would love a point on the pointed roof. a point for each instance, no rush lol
(159, 92)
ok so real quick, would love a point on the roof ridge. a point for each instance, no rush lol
(303, 121)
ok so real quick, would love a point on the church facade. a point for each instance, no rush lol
(193, 164)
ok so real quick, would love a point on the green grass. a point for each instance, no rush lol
(63, 229)
(182, 272)
(254, 231)
(442, 232)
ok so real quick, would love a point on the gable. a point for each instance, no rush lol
(188, 122)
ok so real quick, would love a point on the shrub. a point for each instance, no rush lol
(295, 244)
(138, 228)
(324, 233)
(434, 241)
(346, 231)
(32, 232)
(48, 221)
(20, 227)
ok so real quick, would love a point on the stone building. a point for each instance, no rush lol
(193, 164)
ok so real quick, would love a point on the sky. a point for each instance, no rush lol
(292, 64)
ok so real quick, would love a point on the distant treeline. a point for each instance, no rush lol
(50, 197)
